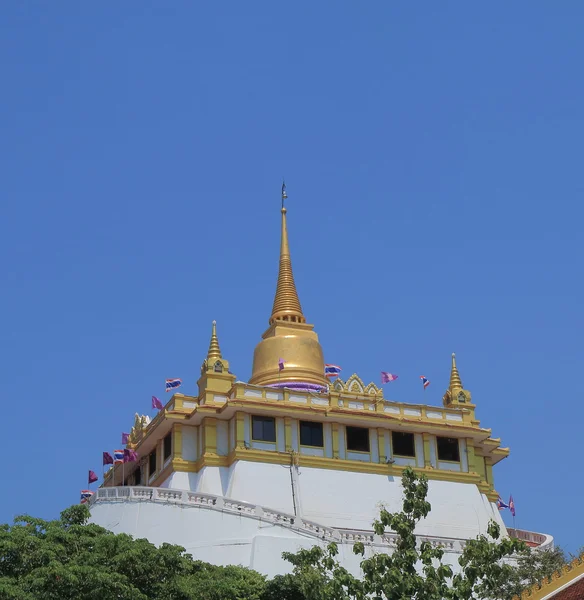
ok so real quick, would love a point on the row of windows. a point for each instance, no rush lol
(263, 429)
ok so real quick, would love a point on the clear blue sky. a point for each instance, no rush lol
(433, 158)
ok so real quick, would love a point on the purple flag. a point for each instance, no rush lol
(125, 438)
(156, 403)
(130, 455)
(512, 505)
(92, 478)
(281, 364)
(108, 459)
(387, 377)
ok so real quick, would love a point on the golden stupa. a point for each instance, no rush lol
(289, 338)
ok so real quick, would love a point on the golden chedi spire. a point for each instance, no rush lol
(286, 302)
(455, 394)
(289, 354)
(215, 374)
(455, 382)
(214, 351)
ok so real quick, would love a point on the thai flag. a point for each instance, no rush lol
(171, 384)
(85, 496)
(332, 370)
(425, 381)
(501, 505)
(118, 456)
(511, 505)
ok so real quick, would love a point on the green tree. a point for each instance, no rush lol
(70, 559)
(531, 567)
(412, 570)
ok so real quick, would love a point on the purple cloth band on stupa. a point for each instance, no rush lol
(300, 386)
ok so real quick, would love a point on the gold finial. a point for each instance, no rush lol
(286, 303)
(455, 382)
(214, 352)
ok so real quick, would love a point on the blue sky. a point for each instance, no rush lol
(432, 155)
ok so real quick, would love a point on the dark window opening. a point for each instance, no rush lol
(152, 463)
(358, 439)
(263, 429)
(218, 368)
(403, 443)
(167, 445)
(138, 476)
(448, 449)
(311, 434)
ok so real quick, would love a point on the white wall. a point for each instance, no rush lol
(220, 537)
(189, 442)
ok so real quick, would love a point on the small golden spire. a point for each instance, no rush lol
(286, 303)
(214, 352)
(455, 382)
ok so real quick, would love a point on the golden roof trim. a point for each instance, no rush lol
(553, 583)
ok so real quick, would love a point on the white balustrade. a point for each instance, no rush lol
(213, 502)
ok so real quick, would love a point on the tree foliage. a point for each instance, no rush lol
(532, 566)
(413, 570)
(71, 559)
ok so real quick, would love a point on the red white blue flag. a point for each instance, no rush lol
(172, 384)
(501, 505)
(512, 505)
(425, 381)
(118, 456)
(332, 370)
(85, 496)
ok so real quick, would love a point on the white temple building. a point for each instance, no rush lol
(247, 470)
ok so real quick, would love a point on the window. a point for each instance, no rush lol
(138, 476)
(311, 434)
(167, 445)
(403, 443)
(152, 463)
(263, 429)
(358, 439)
(218, 367)
(448, 449)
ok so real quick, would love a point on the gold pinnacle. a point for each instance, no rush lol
(455, 382)
(214, 352)
(286, 303)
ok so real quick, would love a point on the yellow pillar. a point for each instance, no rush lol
(335, 429)
(239, 430)
(427, 457)
(381, 444)
(489, 470)
(480, 465)
(288, 433)
(159, 456)
(470, 452)
(209, 436)
(177, 441)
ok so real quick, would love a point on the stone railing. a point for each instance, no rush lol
(262, 513)
(357, 401)
(538, 540)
